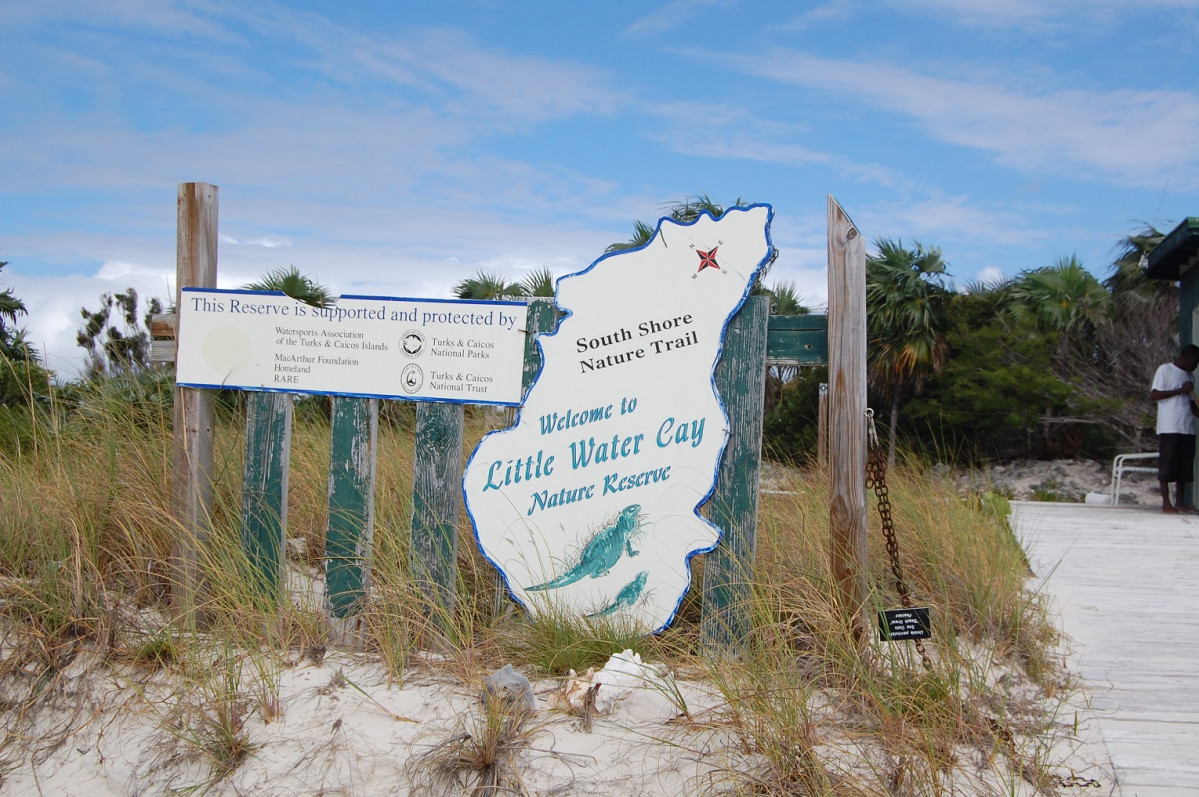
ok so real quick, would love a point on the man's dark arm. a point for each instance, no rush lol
(1158, 395)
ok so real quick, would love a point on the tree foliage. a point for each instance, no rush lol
(1050, 363)
(290, 282)
(996, 388)
(484, 286)
(539, 282)
(23, 379)
(785, 299)
(906, 302)
(10, 308)
(1062, 297)
(686, 211)
(116, 340)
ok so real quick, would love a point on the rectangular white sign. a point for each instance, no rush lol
(377, 347)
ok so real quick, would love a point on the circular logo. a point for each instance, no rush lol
(413, 343)
(411, 378)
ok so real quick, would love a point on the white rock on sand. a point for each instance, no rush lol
(1064, 480)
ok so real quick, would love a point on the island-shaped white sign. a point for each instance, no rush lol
(588, 505)
(369, 346)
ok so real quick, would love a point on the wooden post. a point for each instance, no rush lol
(264, 488)
(350, 533)
(847, 407)
(728, 570)
(540, 317)
(822, 427)
(192, 451)
(436, 495)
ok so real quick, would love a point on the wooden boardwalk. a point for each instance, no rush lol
(1126, 584)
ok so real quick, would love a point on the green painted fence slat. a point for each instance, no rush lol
(436, 495)
(541, 317)
(264, 488)
(797, 340)
(349, 535)
(728, 570)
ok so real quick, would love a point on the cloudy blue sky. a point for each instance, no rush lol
(394, 148)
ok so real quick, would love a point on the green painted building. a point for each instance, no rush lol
(1177, 258)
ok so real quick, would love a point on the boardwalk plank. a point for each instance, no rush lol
(1125, 582)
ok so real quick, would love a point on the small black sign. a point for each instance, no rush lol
(896, 624)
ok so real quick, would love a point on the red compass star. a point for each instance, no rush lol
(707, 259)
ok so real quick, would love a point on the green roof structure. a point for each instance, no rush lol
(1177, 252)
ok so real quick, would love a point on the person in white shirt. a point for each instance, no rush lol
(1174, 391)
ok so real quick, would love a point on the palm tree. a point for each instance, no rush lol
(13, 344)
(10, 308)
(1063, 297)
(906, 299)
(117, 345)
(1127, 278)
(484, 287)
(1145, 313)
(539, 282)
(686, 211)
(785, 299)
(290, 282)
(22, 377)
(1065, 302)
(642, 234)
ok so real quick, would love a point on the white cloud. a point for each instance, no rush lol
(989, 275)
(725, 132)
(116, 271)
(54, 305)
(832, 11)
(163, 17)
(1137, 137)
(1044, 14)
(268, 242)
(938, 218)
(671, 15)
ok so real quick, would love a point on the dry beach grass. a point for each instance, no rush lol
(103, 691)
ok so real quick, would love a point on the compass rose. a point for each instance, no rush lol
(707, 259)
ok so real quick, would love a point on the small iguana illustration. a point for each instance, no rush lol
(602, 551)
(627, 596)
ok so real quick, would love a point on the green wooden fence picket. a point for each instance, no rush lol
(754, 338)
(264, 488)
(436, 496)
(728, 570)
(349, 534)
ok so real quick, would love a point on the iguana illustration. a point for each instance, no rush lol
(602, 551)
(627, 596)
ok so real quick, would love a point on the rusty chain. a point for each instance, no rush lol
(876, 479)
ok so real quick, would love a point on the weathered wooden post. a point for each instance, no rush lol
(728, 570)
(822, 426)
(436, 495)
(349, 536)
(192, 451)
(264, 488)
(847, 407)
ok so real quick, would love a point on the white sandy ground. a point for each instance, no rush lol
(341, 726)
(342, 729)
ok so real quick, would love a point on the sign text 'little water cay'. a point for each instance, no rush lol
(588, 505)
